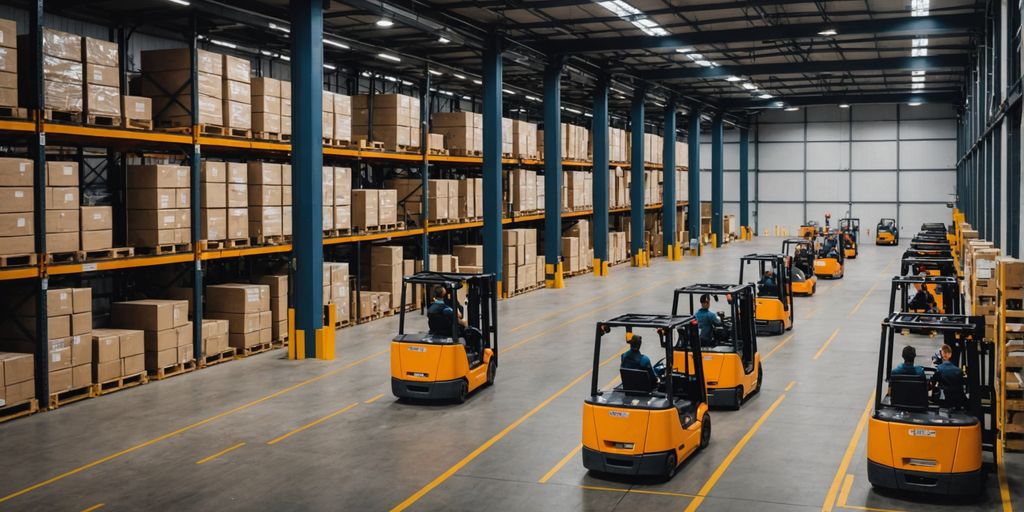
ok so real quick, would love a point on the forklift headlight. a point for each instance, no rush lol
(623, 446)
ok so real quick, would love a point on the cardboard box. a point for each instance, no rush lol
(472, 255)
(62, 221)
(387, 212)
(8, 33)
(263, 86)
(98, 51)
(180, 59)
(95, 218)
(214, 224)
(239, 92)
(237, 115)
(106, 346)
(60, 96)
(264, 122)
(81, 324)
(149, 315)
(342, 186)
(81, 300)
(213, 172)
(62, 174)
(137, 107)
(365, 208)
(158, 176)
(16, 200)
(264, 173)
(60, 380)
(16, 224)
(246, 340)
(158, 219)
(266, 104)
(133, 341)
(265, 195)
(238, 298)
(156, 360)
(82, 348)
(238, 223)
(81, 376)
(133, 365)
(96, 240)
(62, 198)
(62, 242)
(106, 371)
(16, 172)
(266, 221)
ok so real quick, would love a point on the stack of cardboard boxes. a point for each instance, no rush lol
(617, 252)
(1011, 291)
(374, 207)
(215, 337)
(396, 120)
(266, 107)
(653, 187)
(580, 231)
(266, 199)
(519, 254)
(62, 207)
(166, 330)
(246, 307)
(617, 144)
(158, 205)
(470, 258)
(278, 287)
(237, 187)
(463, 131)
(471, 198)
(102, 78)
(213, 200)
(342, 107)
(618, 189)
(62, 70)
(654, 148)
(336, 289)
(137, 112)
(237, 93)
(386, 270)
(523, 190)
(165, 78)
(17, 378)
(575, 142)
(16, 207)
(524, 140)
(286, 109)
(337, 198)
(117, 353)
(577, 190)
(97, 228)
(8, 65)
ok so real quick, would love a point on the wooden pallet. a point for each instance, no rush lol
(71, 396)
(437, 152)
(267, 136)
(578, 272)
(61, 257)
(524, 290)
(10, 412)
(269, 240)
(172, 370)
(138, 124)
(259, 348)
(216, 245)
(113, 253)
(102, 120)
(1015, 445)
(125, 382)
(17, 260)
(370, 145)
(63, 116)
(286, 137)
(376, 316)
(402, 148)
(327, 141)
(222, 357)
(14, 113)
(208, 129)
(342, 143)
(381, 228)
(465, 152)
(341, 324)
(165, 249)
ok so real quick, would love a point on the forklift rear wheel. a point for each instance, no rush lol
(760, 376)
(738, 400)
(670, 466)
(492, 369)
(705, 431)
(463, 392)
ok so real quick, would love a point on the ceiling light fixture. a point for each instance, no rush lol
(180, 2)
(917, 79)
(330, 67)
(225, 44)
(916, 86)
(828, 32)
(684, 50)
(919, 72)
(478, 82)
(919, 7)
(844, 105)
(443, 40)
(766, 96)
(336, 44)
(914, 103)
(792, 109)
(388, 56)
(279, 28)
(705, 63)
(749, 86)
(506, 91)
(435, 73)
(384, 23)
(460, 77)
(733, 78)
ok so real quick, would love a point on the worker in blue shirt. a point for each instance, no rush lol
(767, 285)
(632, 359)
(706, 320)
(440, 315)
(950, 380)
(907, 367)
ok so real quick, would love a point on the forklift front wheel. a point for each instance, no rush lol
(705, 431)
(492, 370)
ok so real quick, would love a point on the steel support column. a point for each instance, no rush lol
(668, 200)
(307, 164)
(636, 186)
(425, 169)
(553, 173)
(492, 77)
(197, 200)
(693, 176)
(37, 152)
(600, 177)
(717, 180)
(744, 178)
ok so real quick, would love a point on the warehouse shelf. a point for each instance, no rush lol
(11, 274)
(120, 264)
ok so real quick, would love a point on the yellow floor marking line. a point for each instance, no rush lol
(872, 509)
(844, 466)
(95, 507)
(374, 399)
(827, 342)
(862, 299)
(1004, 487)
(218, 454)
(186, 428)
(311, 424)
(497, 437)
(845, 494)
(635, 491)
(781, 343)
(560, 312)
(547, 476)
(790, 385)
(710, 484)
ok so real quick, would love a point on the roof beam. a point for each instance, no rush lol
(921, 25)
(812, 67)
(849, 99)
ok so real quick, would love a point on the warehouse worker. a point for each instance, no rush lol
(706, 320)
(440, 315)
(767, 285)
(907, 367)
(950, 380)
(923, 299)
(632, 359)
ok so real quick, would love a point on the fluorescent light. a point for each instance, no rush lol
(443, 40)
(780, 104)
(478, 82)
(406, 83)
(919, 47)
(532, 98)
(268, 53)
(684, 50)
(919, 42)
(336, 44)
(733, 78)
(388, 56)
(466, 98)
(435, 73)
(384, 23)
(914, 103)
(506, 91)
(225, 44)
(705, 63)
(285, 58)
(919, 72)
(588, 114)
(828, 32)
(844, 105)
(460, 77)
(917, 79)
(574, 111)
(792, 109)
(696, 56)
(279, 28)
(917, 86)
(179, 2)
(919, 52)
(749, 86)
(330, 67)
(919, 7)
(766, 96)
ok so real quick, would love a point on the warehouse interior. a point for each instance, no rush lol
(282, 247)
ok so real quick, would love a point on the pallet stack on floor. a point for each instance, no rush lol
(167, 332)
(246, 307)
(337, 291)
(278, 288)
(119, 359)
(17, 385)
(524, 269)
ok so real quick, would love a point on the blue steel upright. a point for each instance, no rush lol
(668, 199)
(196, 194)
(693, 176)
(492, 157)
(553, 172)
(744, 178)
(600, 131)
(717, 180)
(307, 164)
(636, 170)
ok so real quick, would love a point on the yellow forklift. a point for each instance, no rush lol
(448, 361)
(831, 256)
(800, 251)
(810, 230)
(648, 425)
(774, 304)
(732, 364)
(945, 292)
(850, 229)
(887, 233)
(929, 437)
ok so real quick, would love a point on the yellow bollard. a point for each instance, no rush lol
(553, 276)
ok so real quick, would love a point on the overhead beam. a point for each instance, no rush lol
(941, 97)
(812, 67)
(920, 25)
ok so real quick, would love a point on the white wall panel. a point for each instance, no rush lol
(874, 155)
(705, 185)
(828, 156)
(827, 131)
(928, 154)
(928, 111)
(705, 156)
(827, 113)
(788, 132)
(874, 130)
(870, 214)
(787, 215)
(781, 186)
(731, 181)
(927, 186)
(781, 116)
(817, 211)
(928, 129)
(731, 154)
(874, 186)
(913, 215)
(874, 112)
(781, 156)
(828, 186)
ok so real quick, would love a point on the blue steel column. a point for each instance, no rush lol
(196, 234)
(425, 169)
(744, 178)
(693, 176)
(553, 173)
(492, 158)
(307, 165)
(668, 201)
(600, 131)
(717, 179)
(37, 152)
(636, 186)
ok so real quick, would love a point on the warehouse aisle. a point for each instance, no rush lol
(271, 434)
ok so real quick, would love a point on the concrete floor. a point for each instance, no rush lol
(341, 442)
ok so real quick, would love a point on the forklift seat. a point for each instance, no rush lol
(636, 382)
(908, 392)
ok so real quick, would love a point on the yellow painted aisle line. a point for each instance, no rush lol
(218, 454)
(851, 448)
(94, 507)
(547, 476)
(635, 491)
(497, 437)
(862, 299)
(374, 399)
(827, 342)
(311, 424)
(710, 484)
(844, 495)
(781, 343)
(1004, 487)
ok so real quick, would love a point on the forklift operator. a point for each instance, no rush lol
(923, 300)
(950, 380)
(439, 315)
(632, 359)
(828, 249)
(767, 285)
(907, 367)
(707, 320)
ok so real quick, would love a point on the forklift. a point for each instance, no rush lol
(831, 256)
(934, 442)
(732, 364)
(648, 425)
(801, 252)
(850, 229)
(945, 292)
(774, 304)
(810, 230)
(447, 363)
(886, 232)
